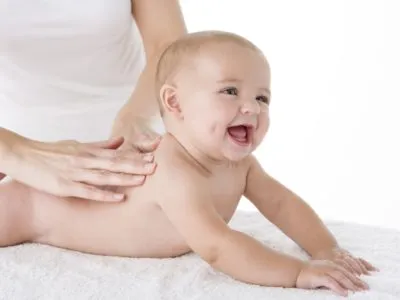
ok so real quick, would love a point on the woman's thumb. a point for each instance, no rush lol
(148, 145)
(112, 143)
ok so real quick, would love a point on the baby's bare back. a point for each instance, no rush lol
(136, 227)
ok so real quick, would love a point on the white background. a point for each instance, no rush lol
(334, 137)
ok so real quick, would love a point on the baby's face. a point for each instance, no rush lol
(226, 101)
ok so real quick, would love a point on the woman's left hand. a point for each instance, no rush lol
(344, 258)
(138, 136)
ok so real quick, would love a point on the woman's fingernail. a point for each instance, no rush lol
(119, 196)
(140, 178)
(148, 157)
(150, 166)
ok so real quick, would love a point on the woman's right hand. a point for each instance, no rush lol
(73, 169)
(327, 274)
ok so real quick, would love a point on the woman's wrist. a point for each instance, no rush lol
(119, 124)
(125, 120)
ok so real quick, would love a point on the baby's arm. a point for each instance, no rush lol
(287, 211)
(188, 205)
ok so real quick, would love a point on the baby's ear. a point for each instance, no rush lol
(169, 99)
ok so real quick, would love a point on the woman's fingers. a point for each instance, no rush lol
(126, 154)
(100, 177)
(148, 144)
(112, 143)
(118, 165)
(81, 190)
(74, 169)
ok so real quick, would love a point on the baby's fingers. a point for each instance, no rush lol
(332, 284)
(354, 279)
(367, 265)
(346, 265)
(363, 267)
(355, 265)
(347, 280)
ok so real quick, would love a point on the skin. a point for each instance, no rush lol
(201, 175)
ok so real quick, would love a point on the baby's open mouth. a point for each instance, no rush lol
(241, 134)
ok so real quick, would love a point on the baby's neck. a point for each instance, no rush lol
(194, 155)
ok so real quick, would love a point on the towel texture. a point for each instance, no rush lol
(42, 272)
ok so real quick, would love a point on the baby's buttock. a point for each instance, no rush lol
(133, 228)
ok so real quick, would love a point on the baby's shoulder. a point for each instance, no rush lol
(173, 166)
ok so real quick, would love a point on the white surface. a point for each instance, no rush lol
(335, 130)
(40, 272)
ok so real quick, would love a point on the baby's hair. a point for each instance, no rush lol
(185, 50)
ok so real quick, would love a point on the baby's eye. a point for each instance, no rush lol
(230, 91)
(263, 99)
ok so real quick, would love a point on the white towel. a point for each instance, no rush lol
(42, 272)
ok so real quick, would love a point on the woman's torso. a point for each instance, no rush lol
(66, 66)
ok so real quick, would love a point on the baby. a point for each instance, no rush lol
(214, 94)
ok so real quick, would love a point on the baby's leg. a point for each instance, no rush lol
(16, 214)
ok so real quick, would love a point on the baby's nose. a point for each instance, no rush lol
(250, 107)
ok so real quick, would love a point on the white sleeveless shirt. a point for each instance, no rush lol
(66, 66)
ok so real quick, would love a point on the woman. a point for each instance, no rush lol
(67, 70)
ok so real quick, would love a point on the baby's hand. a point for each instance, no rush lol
(345, 259)
(324, 273)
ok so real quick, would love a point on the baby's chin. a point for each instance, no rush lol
(236, 155)
(234, 151)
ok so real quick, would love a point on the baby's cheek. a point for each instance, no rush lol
(260, 134)
(263, 123)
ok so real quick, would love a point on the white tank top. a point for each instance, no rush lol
(66, 66)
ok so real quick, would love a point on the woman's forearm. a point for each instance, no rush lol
(160, 24)
(143, 102)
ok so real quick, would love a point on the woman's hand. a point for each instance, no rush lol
(70, 168)
(138, 137)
